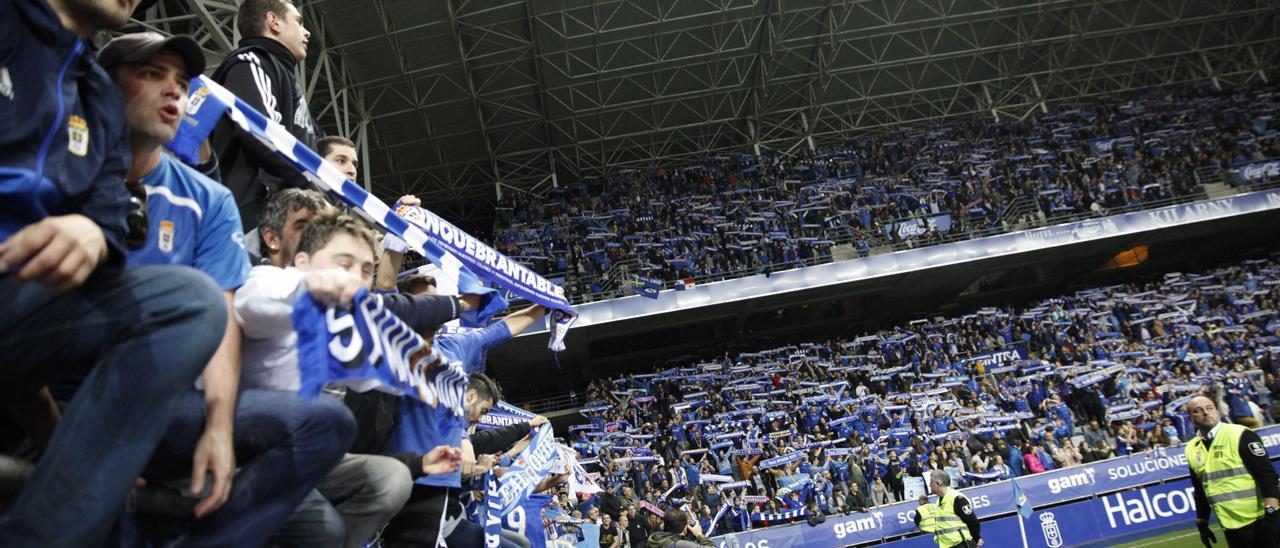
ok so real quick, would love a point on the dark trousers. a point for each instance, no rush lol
(1264, 533)
(284, 446)
(420, 520)
(429, 508)
(142, 336)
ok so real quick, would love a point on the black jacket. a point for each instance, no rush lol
(1258, 465)
(965, 511)
(261, 73)
(377, 412)
(498, 440)
(857, 501)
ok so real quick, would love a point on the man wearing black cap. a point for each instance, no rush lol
(142, 335)
(284, 444)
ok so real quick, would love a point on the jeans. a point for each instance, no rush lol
(284, 446)
(313, 524)
(515, 540)
(143, 336)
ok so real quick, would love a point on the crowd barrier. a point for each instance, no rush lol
(1086, 503)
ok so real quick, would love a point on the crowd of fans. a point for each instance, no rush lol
(740, 214)
(986, 396)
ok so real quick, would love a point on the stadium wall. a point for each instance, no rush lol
(1078, 505)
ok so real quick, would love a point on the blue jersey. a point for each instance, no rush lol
(422, 427)
(677, 431)
(193, 222)
(840, 470)
(691, 474)
(940, 424)
(469, 345)
(811, 418)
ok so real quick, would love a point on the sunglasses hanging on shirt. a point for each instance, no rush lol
(136, 218)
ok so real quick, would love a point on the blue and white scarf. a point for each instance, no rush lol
(369, 347)
(990, 475)
(528, 469)
(781, 460)
(780, 516)
(491, 519)
(209, 100)
(502, 415)
(716, 520)
(446, 267)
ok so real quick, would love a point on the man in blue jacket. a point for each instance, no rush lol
(142, 335)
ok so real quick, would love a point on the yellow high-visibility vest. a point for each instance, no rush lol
(950, 529)
(1231, 491)
(928, 514)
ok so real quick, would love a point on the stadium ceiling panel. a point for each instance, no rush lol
(459, 101)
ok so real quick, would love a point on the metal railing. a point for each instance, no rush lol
(547, 404)
(616, 276)
(1207, 175)
(1019, 208)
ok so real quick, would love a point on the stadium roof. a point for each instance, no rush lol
(459, 100)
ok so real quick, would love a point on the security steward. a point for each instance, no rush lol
(951, 521)
(1231, 473)
(926, 515)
